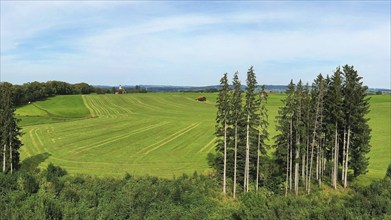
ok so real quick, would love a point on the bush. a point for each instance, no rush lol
(388, 173)
(27, 183)
(54, 172)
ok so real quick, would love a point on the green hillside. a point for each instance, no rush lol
(55, 109)
(161, 134)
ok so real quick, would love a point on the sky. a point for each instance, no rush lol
(192, 43)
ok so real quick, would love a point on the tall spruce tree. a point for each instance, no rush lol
(250, 115)
(317, 98)
(263, 133)
(9, 130)
(223, 108)
(299, 131)
(283, 138)
(334, 122)
(237, 122)
(357, 131)
(306, 113)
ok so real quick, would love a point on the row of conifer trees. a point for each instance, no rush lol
(323, 131)
(9, 131)
(241, 131)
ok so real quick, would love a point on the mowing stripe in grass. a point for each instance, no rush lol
(92, 112)
(110, 140)
(35, 145)
(166, 138)
(173, 138)
(208, 144)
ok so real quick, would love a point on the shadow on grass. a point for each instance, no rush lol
(31, 163)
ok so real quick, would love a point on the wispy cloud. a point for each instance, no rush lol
(192, 43)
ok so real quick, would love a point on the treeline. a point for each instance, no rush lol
(323, 133)
(51, 194)
(241, 131)
(9, 131)
(34, 91)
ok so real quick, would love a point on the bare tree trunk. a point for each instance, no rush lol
(307, 165)
(335, 168)
(287, 170)
(290, 159)
(311, 162)
(343, 155)
(4, 158)
(320, 162)
(317, 163)
(11, 166)
(345, 184)
(303, 168)
(332, 177)
(225, 157)
(235, 159)
(297, 171)
(247, 166)
(259, 143)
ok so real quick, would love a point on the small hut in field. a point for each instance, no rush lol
(201, 98)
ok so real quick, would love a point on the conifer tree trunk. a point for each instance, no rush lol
(287, 170)
(303, 168)
(225, 157)
(307, 165)
(4, 157)
(297, 171)
(333, 161)
(311, 162)
(259, 143)
(335, 168)
(320, 163)
(235, 159)
(290, 157)
(247, 166)
(11, 167)
(317, 163)
(347, 160)
(343, 156)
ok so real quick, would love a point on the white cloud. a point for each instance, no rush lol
(195, 47)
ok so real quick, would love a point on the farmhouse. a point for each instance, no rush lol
(201, 98)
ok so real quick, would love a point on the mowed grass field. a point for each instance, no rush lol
(160, 134)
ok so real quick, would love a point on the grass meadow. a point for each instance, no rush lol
(159, 134)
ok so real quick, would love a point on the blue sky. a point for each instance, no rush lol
(192, 43)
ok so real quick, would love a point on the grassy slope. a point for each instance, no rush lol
(54, 109)
(380, 123)
(162, 134)
(156, 134)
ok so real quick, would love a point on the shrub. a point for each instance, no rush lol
(53, 172)
(27, 183)
(388, 173)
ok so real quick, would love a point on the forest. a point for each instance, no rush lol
(321, 147)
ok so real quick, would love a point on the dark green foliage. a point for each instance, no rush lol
(185, 197)
(252, 206)
(284, 117)
(388, 173)
(34, 91)
(250, 112)
(321, 126)
(9, 130)
(356, 105)
(27, 183)
(222, 116)
(54, 172)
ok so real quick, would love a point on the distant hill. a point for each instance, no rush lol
(212, 88)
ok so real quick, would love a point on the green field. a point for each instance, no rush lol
(160, 134)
